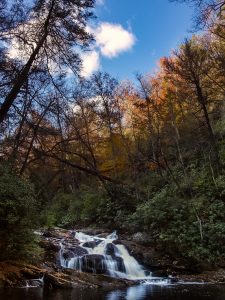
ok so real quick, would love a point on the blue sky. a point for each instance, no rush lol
(155, 27)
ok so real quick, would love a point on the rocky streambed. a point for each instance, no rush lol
(95, 258)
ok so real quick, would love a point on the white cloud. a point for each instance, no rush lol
(91, 63)
(113, 39)
(100, 2)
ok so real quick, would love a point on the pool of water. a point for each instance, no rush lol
(140, 292)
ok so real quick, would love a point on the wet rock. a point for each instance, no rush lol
(70, 243)
(71, 279)
(68, 254)
(79, 251)
(92, 244)
(58, 233)
(110, 249)
(93, 263)
(100, 280)
(120, 264)
(60, 280)
(51, 234)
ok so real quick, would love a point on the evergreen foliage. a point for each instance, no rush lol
(18, 216)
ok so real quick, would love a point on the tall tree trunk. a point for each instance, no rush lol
(212, 140)
(22, 77)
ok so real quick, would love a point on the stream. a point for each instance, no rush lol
(105, 255)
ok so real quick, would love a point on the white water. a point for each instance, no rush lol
(33, 283)
(63, 261)
(131, 269)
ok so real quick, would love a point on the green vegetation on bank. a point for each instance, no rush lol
(19, 217)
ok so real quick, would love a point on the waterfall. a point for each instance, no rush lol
(133, 269)
(33, 283)
(63, 261)
(104, 256)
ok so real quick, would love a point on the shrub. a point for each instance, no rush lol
(17, 216)
(189, 228)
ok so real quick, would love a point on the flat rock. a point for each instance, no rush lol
(71, 278)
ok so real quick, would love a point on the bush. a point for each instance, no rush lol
(188, 227)
(69, 209)
(90, 206)
(17, 216)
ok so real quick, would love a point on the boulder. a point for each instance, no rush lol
(58, 233)
(120, 264)
(93, 263)
(68, 254)
(70, 243)
(78, 251)
(92, 244)
(110, 249)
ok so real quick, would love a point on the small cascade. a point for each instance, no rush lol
(133, 269)
(63, 261)
(83, 238)
(102, 256)
(33, 283)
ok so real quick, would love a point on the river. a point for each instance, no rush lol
(140, 292)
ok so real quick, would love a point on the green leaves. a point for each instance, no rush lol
(189, 227)
(17, 216)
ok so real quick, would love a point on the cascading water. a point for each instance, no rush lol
(133, 269)
(101, 255)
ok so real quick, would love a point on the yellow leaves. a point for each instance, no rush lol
(113, 155)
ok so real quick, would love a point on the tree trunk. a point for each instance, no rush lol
(22, 77)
